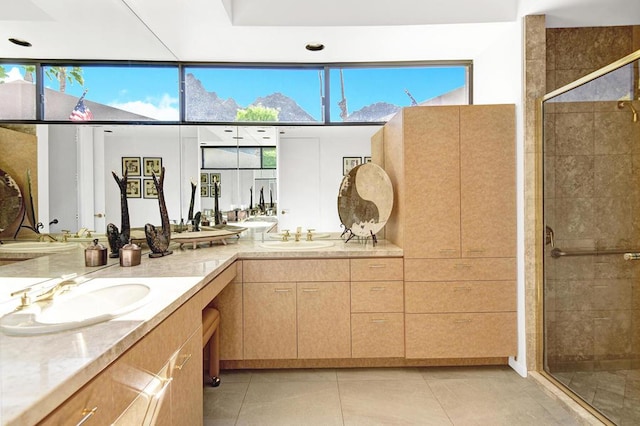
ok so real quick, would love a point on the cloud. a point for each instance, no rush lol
(12, 75)
(165, 110)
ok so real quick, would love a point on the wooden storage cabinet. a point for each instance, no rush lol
(323, 320)
(377, 335)
(460, 296)
(270, 330)
(377, 306)
(461, 335)
(229, 303)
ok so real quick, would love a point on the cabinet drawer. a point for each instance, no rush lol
(495, 268)
(291, 270)
(96, 394)
(461, 335)
(460, 296)
(377, 335)
(377, 296)
(376, 269)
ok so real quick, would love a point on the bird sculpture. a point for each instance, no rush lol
(117, 239)
(193, 198)
(159, 239)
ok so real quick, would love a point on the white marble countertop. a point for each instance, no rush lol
(38, 373)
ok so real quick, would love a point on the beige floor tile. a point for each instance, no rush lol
(390, 402)
(492, 401)
(294, 375)
(291, 403)
(363, 374)
(236, 376)
(222, 404)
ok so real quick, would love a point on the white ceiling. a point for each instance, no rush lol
(278, 30)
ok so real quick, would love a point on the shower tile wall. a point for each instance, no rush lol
(592, 201)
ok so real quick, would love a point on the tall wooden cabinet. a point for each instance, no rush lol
(453, 171)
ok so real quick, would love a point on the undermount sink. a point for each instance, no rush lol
(37, 247)
(76, 309)
(296, 245)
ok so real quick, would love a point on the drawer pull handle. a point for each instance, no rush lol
(282, 290)
(378, 288)
(462, 289)
(186, 359)
(87, 413)
(463, 266)
(479, 251)
(378, 320)
(310, 290)
(378, 266)
(443, 251)
(462, 321)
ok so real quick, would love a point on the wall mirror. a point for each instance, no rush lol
(81, 192)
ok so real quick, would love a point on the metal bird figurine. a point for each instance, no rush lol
(117, 239)
(193, 197)
(158, 240)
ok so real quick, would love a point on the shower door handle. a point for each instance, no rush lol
(631, 256)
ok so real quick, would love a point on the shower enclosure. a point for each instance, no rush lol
(591, 215)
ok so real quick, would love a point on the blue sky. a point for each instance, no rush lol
(153, 91)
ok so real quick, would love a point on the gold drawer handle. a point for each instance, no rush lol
(478, 251)
(378, 289)
(282, 290)
(186, 359)
(462, 321)
(462, 289)
(462, 266)
(87, 413)
(378, 320)
(310, 290)
(443, 251)
(378, 266)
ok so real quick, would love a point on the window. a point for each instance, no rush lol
(375, 94)
(17, 92)
(111, 93)
(221, 94)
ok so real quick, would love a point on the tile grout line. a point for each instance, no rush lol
(436, 397)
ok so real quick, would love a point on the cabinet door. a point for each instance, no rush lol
(432, 182)
(229, 303)
(186, 388)
(324, 320)
(488, 187)
(269, 321)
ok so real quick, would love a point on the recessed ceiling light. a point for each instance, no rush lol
(314, 47)
(19, 42)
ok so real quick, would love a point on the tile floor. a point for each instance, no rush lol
(385, 396)
(615, 393)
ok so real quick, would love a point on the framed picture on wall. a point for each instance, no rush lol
(150, 189)
(131, 165)
(349, 163)
(215, 177)
(204, 178)
(133, 188)
(204, 191)
(367, 160)
(152, 165)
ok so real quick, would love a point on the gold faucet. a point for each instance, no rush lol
(298, 233)
(285, 235)
(309, 234)
(65, 235)
(26, 300)
(43, 238)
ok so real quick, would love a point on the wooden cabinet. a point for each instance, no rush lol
(453, 170)
(323, 320)
(270, 321)
(296, 309)
(229, 303)
(377, 306)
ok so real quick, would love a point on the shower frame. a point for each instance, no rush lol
(540, 234)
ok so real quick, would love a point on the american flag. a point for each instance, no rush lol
(81, 112)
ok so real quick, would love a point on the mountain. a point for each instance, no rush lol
(288, 109)
(207, 106)
(380, 111)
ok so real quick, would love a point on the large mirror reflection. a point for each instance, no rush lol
(290, 174)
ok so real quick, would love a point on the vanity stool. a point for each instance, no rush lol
(210, 324)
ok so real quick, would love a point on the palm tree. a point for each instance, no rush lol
(59, 74)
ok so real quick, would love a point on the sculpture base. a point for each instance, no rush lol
(162, 254)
